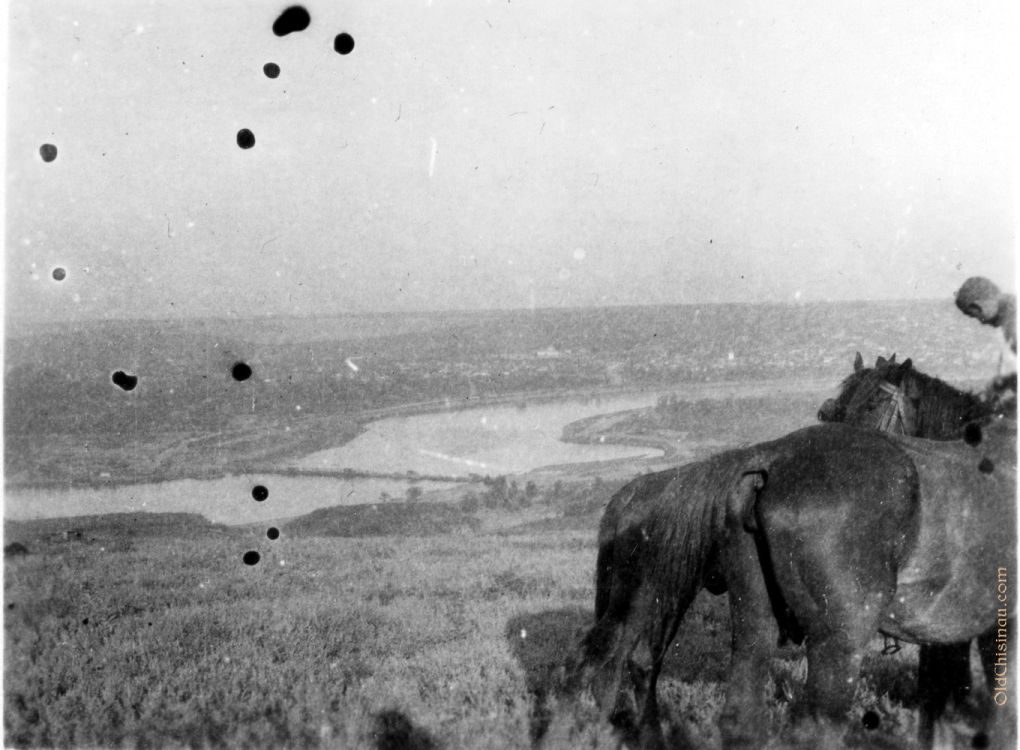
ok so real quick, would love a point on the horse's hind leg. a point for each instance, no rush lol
(839, 616)
(604, 651)
(617, 654)
(754, 636)
(659, 635)
(834, 664)
(1000, 723)
(943, 670)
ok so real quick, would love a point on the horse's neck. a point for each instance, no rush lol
(943, 411)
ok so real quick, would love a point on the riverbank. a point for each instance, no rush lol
(249, 445)
(258, 451)
(696, 420)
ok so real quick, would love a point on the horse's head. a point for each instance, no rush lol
(880, 397)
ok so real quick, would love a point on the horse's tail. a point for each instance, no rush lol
(712, 500)
(613, 585)
(607, 545)
(662, 530)
(658, 535)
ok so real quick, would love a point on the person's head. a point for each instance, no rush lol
(979, 298)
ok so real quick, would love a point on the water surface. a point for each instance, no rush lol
(487, 440)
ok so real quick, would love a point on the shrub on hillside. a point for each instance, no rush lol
(588, 498)
(392, 519)
(470, 502)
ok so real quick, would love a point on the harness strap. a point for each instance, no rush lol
(890, 645)
(895, 414)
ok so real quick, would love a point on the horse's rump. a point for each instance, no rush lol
(947, 586)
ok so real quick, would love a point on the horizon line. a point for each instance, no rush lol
(27, 319)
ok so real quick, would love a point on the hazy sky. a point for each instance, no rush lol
(504, 154)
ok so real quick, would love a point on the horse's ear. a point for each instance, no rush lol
(742, 497)
(858, 362)
(892, 359)
(907, 364)
(880, 362)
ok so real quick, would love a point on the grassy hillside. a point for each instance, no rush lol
(167, 638)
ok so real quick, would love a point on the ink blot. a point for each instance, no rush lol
(272, 70)
(85, 621)
(245, 138)
(125, 381)
(59, 274)
(980, 740)
(870, 720)
(251, 557)
(259, 492)
(48, 152)
(986, 466)
(295, 18)
(241, 371)
(343, 43)
(972, 433)
(273, 533)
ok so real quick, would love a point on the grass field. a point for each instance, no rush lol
(147, 633)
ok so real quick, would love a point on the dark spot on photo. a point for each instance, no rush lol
(295, 18)
(273, 533)
(251, 557)
(122, 380)
(272, 70)
(241, 371)
(343, 43)
(394, 729)
(48, 152)
(59, 274)
(870, 720)
(972, 433)
(85, 621)
(15, 549)
(259, 492)
(986, 466)
(245, 138)
(980, 740)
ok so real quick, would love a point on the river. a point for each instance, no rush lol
(488, 440)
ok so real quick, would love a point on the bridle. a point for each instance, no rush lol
(894, 416)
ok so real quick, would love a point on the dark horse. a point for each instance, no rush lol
(826, 535)
(897, 398)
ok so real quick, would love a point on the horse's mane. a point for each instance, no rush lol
(942, 410)
(849, 384)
